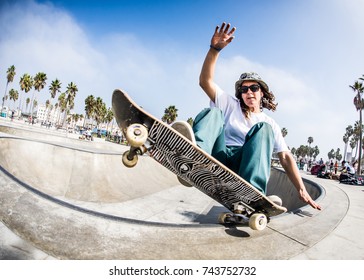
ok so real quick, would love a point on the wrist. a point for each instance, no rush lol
(215, 48)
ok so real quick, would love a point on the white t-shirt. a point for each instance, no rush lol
(349, 168)
(237, 126)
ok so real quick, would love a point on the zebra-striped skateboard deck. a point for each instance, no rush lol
(182, 157)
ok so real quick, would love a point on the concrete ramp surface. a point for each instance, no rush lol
(80, 174)
(75, 201)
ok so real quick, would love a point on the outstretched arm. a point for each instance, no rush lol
(289, 165)
(221, 38)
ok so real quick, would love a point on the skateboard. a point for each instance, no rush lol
(147, 134)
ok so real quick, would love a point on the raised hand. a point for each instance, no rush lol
(222, 36)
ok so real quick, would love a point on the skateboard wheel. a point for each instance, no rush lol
(258, 221)
(129, 162)
(136, 134)
(225, 218)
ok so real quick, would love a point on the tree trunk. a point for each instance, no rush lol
(360, 140)
(3, 101)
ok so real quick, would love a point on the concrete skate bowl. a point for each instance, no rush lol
(98, 182)
(77, 204)
(81, 177)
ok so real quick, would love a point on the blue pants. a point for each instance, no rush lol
(252, 161)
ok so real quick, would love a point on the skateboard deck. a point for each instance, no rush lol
(147, 134)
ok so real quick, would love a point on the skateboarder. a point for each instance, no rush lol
(236, 131)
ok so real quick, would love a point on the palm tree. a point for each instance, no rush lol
(90, 104)
(54, 88)
(47, 104)
(302, 151)
(356, 135)
(353, 143)
(27, 101)
(69, 99)
(62, 105)
(316, 152)
(349, 132)
(170, 114)
(284, 132)
(190, 121)
(10, 78)
(293, 151)
(310, 151)
(331, 154)
(35, 103)
(74, 119)
(39, 83)
(108, 118)
(338, 156)
(359, 102)
(14, 95)
(100, 111)
(345, 140)
(26, 84)
(362, 78)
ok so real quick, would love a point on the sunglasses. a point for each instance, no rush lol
(253, 88)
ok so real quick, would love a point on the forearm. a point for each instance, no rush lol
(222, 37)
(208, 72)
(289, 165)
(293, 174)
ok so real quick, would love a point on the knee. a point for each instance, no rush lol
(209, 113)
(263, 127)
(262, 130)
(266, 128)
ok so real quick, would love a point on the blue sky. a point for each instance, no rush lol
(309, 52)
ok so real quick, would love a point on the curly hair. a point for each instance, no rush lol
(265, 102)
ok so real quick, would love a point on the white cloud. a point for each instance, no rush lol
(43, 39)
(46, 39)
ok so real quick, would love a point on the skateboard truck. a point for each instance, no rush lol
(239, 208)
(257, 221)
(136, 135)
(130, 157)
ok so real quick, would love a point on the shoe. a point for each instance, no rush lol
(275, 199)
(186, 130)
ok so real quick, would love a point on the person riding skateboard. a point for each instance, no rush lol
(236, 131)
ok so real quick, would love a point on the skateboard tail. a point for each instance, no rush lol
(127, 112)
